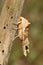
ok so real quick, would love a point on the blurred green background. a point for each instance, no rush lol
(33, 11)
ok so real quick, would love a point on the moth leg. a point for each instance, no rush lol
(15, 28)
(16, 37)
(25, 53)
(15, 24)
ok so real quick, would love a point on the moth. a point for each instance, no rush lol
(23, 26)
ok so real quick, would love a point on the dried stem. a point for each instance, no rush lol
(10, 13)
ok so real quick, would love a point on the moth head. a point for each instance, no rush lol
(24, 21)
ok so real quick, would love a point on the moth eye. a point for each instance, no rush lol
(20, 19)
